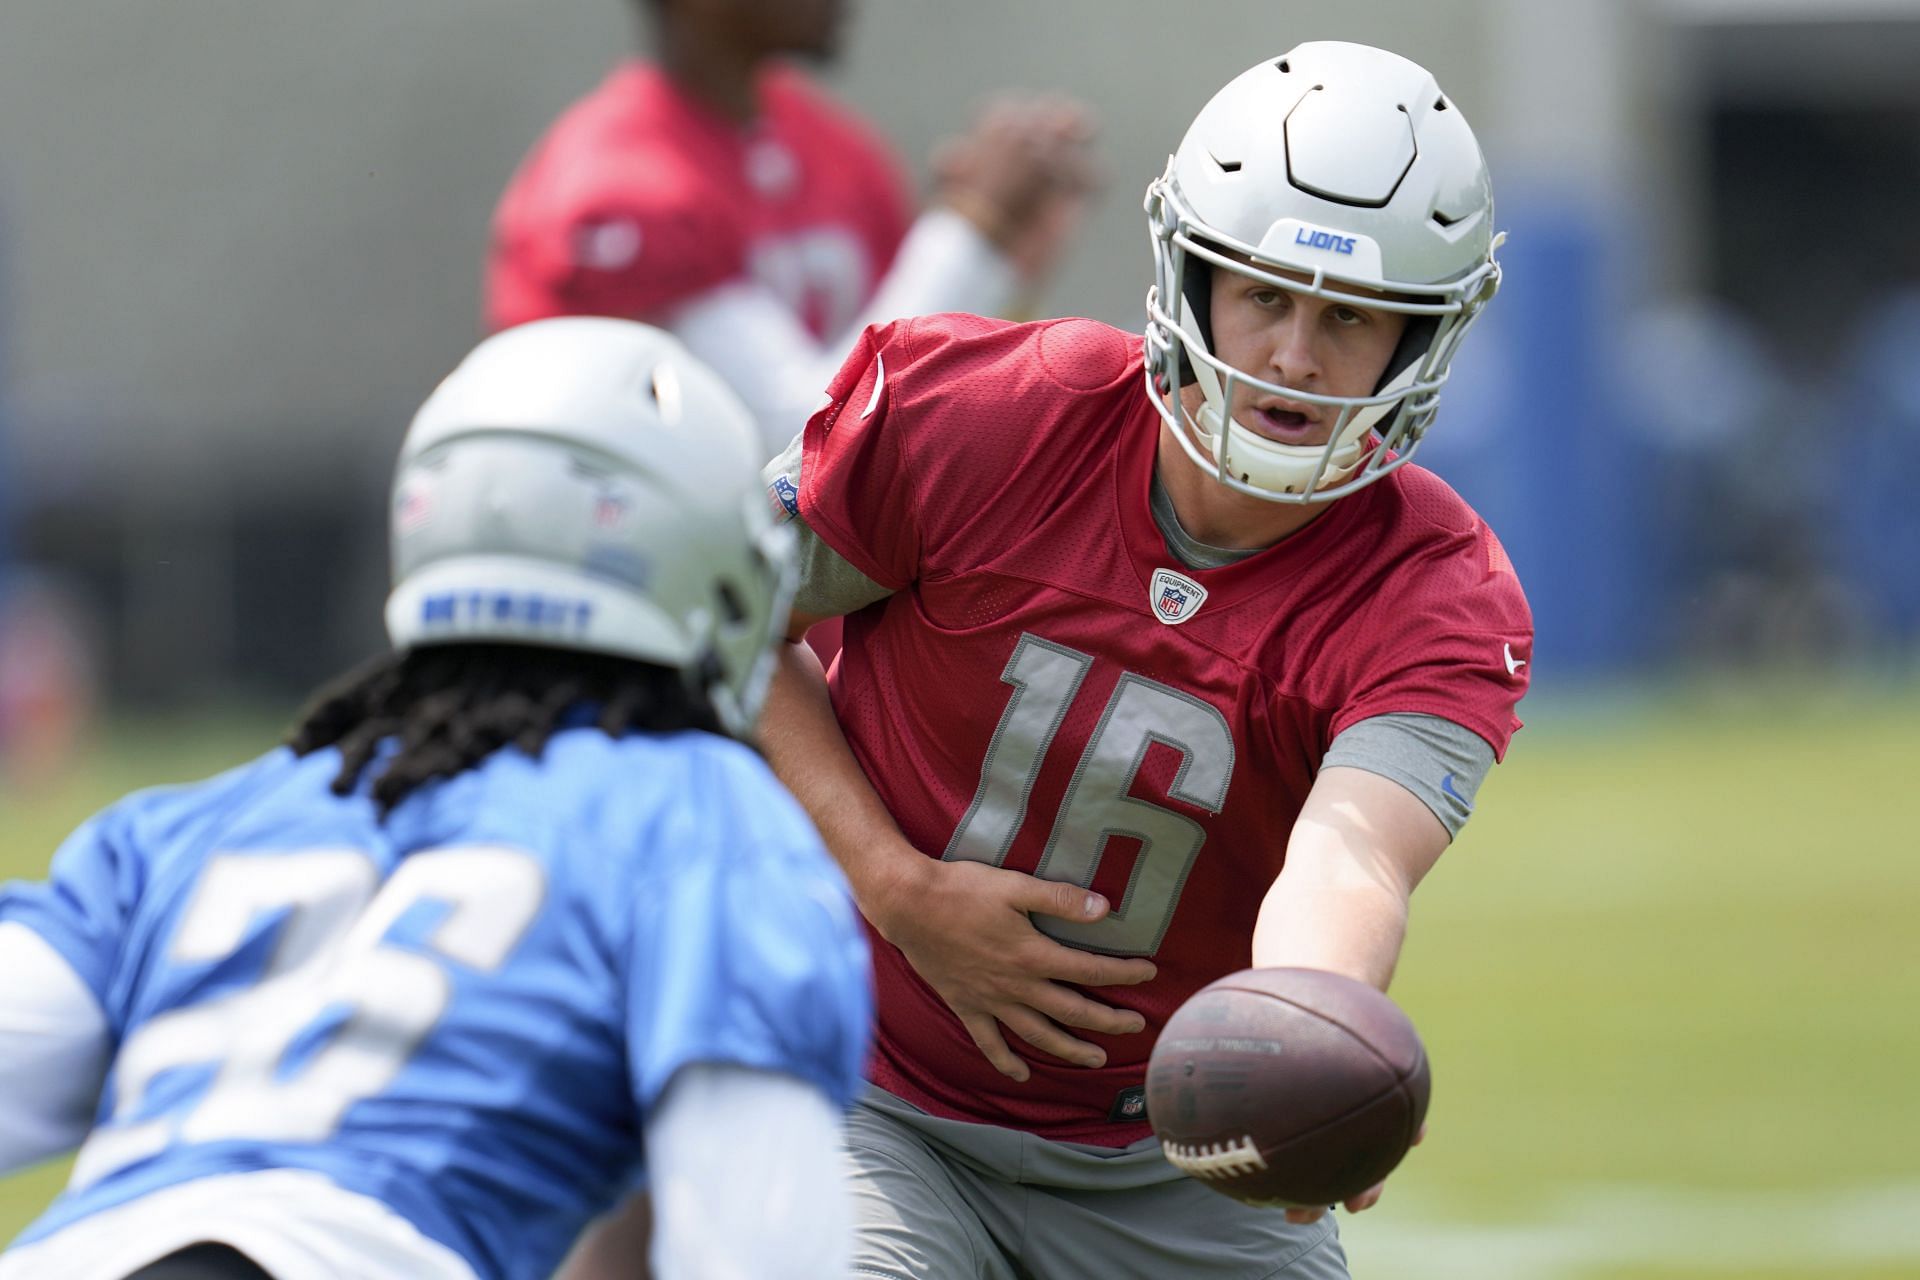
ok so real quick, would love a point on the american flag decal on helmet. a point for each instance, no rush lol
(1175, 597)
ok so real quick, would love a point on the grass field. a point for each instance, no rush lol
(1669, 980)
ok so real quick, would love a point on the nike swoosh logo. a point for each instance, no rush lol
(879, 384)
(1513, 664)
(1446, 785)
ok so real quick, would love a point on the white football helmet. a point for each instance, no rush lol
(585, 483)
(1334, 164)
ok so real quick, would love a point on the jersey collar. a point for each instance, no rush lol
(1228, 584)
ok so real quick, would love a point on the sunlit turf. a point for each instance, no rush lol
(1675, 951)
(1673, 957)
(1681, 951)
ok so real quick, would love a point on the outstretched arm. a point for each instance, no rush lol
(1361, 845)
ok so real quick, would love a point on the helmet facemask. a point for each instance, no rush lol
(1372, 434)
(1237, 198)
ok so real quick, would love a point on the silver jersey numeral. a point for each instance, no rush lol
(1045, 677)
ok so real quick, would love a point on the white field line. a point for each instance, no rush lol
(1622, 1227)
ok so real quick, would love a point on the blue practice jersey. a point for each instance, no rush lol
(466, 1011)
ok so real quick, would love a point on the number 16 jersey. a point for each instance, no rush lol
(1047, 689)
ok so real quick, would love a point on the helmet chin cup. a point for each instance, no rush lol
(1238, 453)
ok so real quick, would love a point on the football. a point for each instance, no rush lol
(1291, 1087)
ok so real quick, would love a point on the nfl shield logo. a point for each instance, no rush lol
(1129, 1104)
(783, 499)
(1175, 597)
(609, 512)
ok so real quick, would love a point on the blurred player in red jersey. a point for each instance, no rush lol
(1159, 663)
(723, 196)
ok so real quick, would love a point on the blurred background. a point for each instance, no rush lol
(1669, 975)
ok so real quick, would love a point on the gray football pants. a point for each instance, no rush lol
(942, 1200)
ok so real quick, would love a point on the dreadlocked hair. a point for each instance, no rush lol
(451, 706)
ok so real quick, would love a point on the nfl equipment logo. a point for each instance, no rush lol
(1175, 597)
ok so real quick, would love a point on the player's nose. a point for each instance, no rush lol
(1295, 357)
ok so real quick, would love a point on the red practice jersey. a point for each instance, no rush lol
(1049, 690)
(639, 199)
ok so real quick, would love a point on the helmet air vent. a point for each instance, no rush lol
(1439, 104)
(732, 611)
(1282, 65)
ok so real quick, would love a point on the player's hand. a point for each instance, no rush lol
(1038, 247)
(1365, 1200)
(1022, 175)
(965, 927)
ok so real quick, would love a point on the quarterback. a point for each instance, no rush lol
(1161, 661)
(514, 925)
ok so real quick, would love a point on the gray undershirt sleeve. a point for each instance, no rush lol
(829, 586)
(1436, 759)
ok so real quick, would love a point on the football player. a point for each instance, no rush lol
(514, 924)
(720, 194)
(1161, 661)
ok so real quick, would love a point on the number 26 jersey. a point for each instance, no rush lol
(466, 1011)
(1047, 689)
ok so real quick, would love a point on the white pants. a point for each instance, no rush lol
(297, 1225)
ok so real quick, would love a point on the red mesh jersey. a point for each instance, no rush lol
(639, 199)
(1019, 699)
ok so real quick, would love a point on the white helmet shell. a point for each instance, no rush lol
(1331, 170)
(585, 483)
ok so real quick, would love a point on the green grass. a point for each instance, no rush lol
(1668, 980)
(1699, 936)
(1674, 955)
